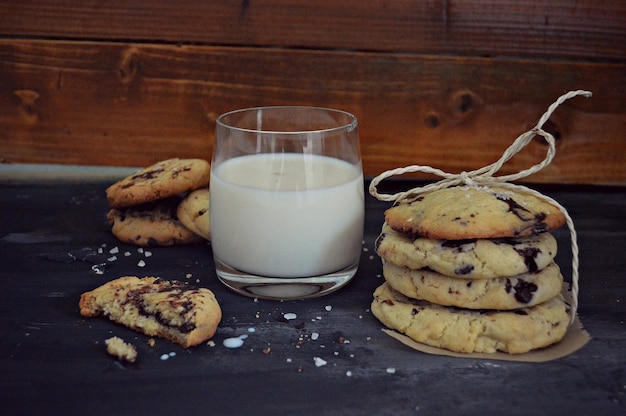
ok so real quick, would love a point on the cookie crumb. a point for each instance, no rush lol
(120, 349)
(99, 268)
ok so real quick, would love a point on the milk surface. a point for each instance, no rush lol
(287, 215)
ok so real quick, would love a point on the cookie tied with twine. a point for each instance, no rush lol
(486, 177)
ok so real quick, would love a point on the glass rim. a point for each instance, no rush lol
(350, 125)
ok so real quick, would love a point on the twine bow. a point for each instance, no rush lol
(485, 176)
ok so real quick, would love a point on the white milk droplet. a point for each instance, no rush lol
(233, 342)
(319, 361)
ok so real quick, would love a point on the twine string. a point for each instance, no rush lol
(486, 176)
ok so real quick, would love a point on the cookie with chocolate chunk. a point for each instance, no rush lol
(156, 307)
(502, 293)
(193, 212)
(465, 330)
(463, 212)
(159, 181)
(469, 258)
(150, 225)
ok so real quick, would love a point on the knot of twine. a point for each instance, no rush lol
(485, 176)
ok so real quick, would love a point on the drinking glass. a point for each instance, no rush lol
(287, 201)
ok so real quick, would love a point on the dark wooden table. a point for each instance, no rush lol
(53, 361)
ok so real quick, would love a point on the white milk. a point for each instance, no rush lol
(284, 215)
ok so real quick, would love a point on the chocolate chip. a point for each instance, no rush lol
(464, 269)
(514, 207)
(530, 254)
(524, 291)
(458, 244)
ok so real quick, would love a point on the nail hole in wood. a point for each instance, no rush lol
(464, 101)
(431, 120)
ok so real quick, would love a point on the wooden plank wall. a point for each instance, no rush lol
(446, 83)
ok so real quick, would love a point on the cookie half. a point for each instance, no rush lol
(463, 212)
(159, 181)
(469, 258)
(502, 293)
(151, 225)
(193, 212)
(466, 331)
(156, 307)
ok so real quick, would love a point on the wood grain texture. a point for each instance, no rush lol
(127, 104)
(580, 30)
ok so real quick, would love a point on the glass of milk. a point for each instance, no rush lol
(287, 201)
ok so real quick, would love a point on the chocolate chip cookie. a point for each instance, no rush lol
(193, 212)
(465, 330)
(159, 181)
(150, 225)
(156, 307)
(502, 293)
(468, 258)
(464, 212)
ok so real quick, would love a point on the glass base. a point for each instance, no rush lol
(283, 288)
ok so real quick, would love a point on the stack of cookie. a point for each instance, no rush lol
(162, 205)
(471, 269)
